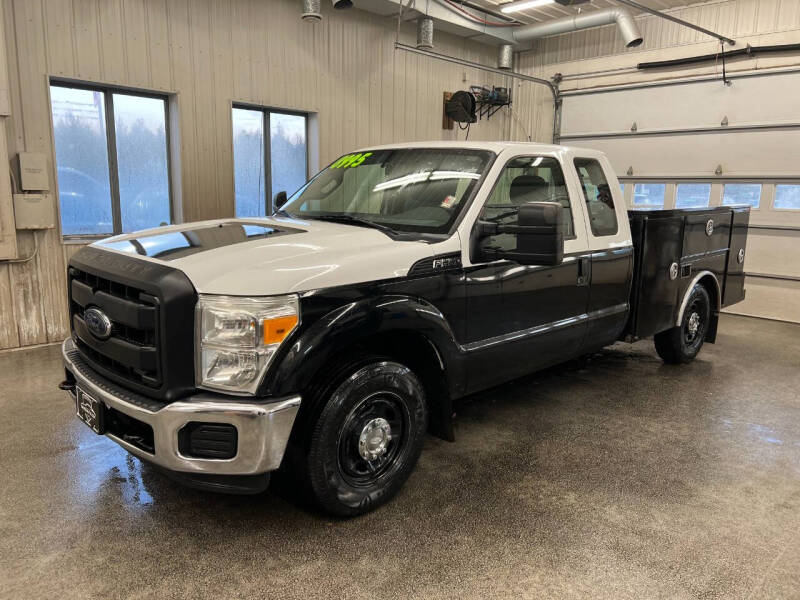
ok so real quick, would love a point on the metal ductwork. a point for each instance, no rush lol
(424, 32)
(505, 57)
(311, 10)
(621, 16)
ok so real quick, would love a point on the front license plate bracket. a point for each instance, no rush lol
(90, 410)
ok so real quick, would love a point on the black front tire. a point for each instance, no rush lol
(681, 344)
(374, 401)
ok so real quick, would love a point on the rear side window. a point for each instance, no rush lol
(597, 193)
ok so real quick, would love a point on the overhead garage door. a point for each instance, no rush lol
(702, 142)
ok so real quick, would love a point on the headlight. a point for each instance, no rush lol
(237, 338)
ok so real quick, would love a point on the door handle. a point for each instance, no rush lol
(584, 270)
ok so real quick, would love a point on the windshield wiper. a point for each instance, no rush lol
(351, 220)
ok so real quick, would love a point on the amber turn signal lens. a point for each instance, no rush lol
(277, 329)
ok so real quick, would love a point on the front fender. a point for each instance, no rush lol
(342, 328)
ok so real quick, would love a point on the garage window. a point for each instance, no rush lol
(111, 159)
(742, 193)
(649, 195)
(692, 195)
(263, 167)
(787, 196)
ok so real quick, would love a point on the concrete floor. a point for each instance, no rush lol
(616, 477)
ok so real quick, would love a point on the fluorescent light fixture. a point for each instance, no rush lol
(512, 7)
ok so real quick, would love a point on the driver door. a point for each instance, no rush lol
(521, 318)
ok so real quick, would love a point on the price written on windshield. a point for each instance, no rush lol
(348, 161)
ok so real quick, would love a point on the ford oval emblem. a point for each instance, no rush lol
(98, 323)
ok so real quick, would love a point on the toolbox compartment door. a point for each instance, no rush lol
(696, 237)
(734, 277)
(657, 242)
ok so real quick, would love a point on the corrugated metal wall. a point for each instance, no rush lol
(210, 53)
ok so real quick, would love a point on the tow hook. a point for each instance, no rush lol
(68, 385)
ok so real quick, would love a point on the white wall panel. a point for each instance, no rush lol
(748, 101)
(769, 299)
(774, 251)
(753, 154)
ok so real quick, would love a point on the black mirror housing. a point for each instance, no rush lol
(280, 199)
(542, 241)
(539, 231)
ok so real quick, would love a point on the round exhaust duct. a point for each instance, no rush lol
(628, 29)
(340, 4)
(505, 57)
(596, 18)
(311, 10)
(424, 32)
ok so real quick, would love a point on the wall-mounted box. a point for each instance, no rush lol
(33, 211)
(33, 172)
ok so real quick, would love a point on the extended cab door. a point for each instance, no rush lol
(611, 249)
(521, 318)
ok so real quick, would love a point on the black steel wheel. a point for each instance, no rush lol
(695, 322)
(366, 438)
(681, 344)
(372, 437)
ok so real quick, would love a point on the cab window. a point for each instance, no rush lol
(526, 179)
(597, 193)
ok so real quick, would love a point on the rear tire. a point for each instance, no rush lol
(682, 343)
(367, 437)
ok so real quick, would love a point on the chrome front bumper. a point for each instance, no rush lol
(263, 427)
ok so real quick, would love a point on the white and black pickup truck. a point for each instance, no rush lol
(327, 339)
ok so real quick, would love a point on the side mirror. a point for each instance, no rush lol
(539, 233)
(280, 199)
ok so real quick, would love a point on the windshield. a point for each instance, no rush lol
(415, 189)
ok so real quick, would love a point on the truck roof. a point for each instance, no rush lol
(496, 147)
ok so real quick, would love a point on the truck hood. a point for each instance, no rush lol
(274, 256)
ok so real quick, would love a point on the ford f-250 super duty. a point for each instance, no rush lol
(327, 339)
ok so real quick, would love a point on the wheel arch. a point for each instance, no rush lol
(423, 357)
(406, 329)
(710, 282)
